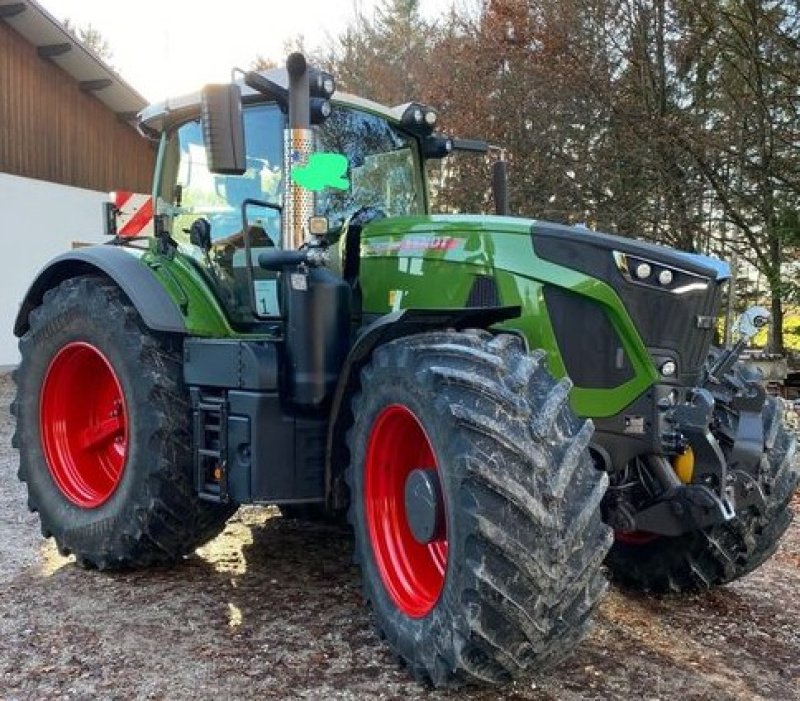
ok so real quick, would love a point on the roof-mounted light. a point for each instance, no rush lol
(419, 118)
(320, 110)
(321, 83)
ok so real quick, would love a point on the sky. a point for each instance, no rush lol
(165, 48)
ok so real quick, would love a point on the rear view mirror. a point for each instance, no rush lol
(752, 321)
(223, 129)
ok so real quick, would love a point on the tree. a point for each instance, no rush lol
(262, 63)
(91, 38)
(384, 57)
(747, 150)
(675, 120)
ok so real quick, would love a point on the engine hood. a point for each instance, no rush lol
(565, 237)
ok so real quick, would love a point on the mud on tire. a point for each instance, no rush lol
(524, 537)
(151, 516)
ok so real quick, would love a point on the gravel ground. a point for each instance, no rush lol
(272, 609)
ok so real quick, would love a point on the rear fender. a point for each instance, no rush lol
(158, 310)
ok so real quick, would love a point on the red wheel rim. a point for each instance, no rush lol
(413, 573)
(83, 425)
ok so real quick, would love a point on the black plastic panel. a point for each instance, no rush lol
(230, 364)
(589, 345)
(316, 306)
(663, 319)
(283, 456)
(483, 292)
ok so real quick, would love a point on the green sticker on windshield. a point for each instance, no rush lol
(322, 171)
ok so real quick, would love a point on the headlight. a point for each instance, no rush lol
(650, 273)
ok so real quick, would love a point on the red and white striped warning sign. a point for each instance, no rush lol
(135, 213)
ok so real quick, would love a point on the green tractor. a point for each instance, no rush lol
(502, 407)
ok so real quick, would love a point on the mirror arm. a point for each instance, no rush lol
(471, 145)
(259, 83)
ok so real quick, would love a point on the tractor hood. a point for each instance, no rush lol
(671, 297)
(565, 245)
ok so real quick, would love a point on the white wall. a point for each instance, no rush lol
(38, 221)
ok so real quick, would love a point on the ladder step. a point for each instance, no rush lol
(210, 450)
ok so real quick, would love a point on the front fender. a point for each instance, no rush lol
(383, 329)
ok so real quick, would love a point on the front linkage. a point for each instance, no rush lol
(718, 430)
(718, 511)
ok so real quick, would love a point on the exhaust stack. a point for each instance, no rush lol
(298, 144)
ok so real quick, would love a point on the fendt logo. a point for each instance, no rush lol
(411, 243)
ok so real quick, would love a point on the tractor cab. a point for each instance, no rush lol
(364, 162)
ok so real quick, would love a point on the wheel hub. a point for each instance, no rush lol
(404, 511)
(424, 509)
(83, 424)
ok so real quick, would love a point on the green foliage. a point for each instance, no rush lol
(788, 227)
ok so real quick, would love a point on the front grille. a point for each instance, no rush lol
(589, 345)
(664, 320)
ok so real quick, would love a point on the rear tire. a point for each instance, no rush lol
(103, 432)
(721, 554)
(509, 580)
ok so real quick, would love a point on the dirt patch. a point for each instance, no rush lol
(272, 608)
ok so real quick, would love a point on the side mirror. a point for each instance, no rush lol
(223, 129)
(752, 321)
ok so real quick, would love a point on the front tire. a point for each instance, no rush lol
(499, 571)
(103, 432)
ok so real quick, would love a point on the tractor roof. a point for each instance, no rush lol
(161, 116)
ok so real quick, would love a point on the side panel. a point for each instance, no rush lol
(247, 446)
(433, 262)
(189, 290)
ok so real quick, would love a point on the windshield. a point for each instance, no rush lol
(383, 167)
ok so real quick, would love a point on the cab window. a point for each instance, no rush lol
(198, 197)
(383, 166)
